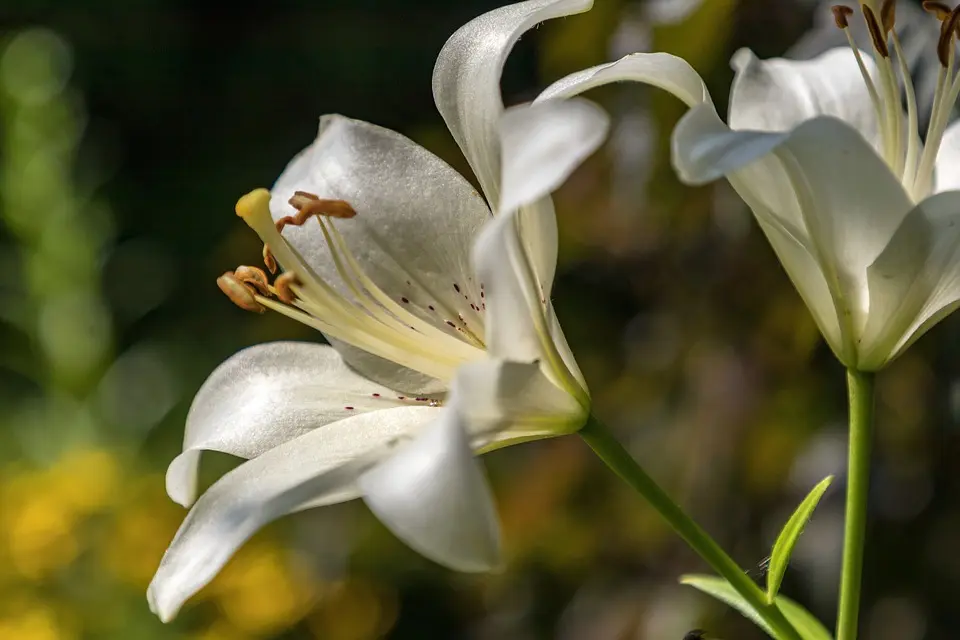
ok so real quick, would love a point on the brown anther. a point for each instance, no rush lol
(283, 286)
(948, 29)
(878, 35)
(888, 15)
(254, 277)
(239, 293)
(841, 15)
(309, 205)
(940, 10)
(268, 260)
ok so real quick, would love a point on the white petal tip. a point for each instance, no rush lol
(543, 144)
(432, 494)
(181, 478)
(164, 608)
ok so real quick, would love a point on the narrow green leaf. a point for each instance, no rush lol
(802, 620)
(787, 540)
(721, 590)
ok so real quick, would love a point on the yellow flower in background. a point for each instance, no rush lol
(42, 509)
(260, 592)
(29, 620)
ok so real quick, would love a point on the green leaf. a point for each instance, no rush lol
(787, 540)
(802, 620)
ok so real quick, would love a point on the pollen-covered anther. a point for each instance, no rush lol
(888, 15)
(309, 205)
(877, 34)
(948, 29)
(253, 277)
(841, 15)
(940, 10)
(283, 287)
(268, 260)
(240, 293)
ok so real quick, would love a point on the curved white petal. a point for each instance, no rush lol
(542, 145)
(388, 373)
(504, 402)
(767, 188)
(518, 326)
(416, 217)
(778, 94)
(657, 69)
(432, 494)
(797, 259)
(563, 347)
(947, 175)
(704, 148)
(466, 79)
(852, 205)
(319, 467)
(513, 299)
(847, 199)
(264, 396)
(915, 282)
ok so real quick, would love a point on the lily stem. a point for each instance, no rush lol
(860, 387)
(596, 435)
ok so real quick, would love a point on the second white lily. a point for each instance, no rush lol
(863, 216)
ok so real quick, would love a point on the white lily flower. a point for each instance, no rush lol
(445, 343)
(864, 217)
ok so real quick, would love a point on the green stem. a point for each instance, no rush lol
(622, 463)
(860, 387)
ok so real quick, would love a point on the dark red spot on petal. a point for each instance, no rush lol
(430, 306)
(451, 324)
(404, 301)
(401, 398)
(376, 395)
(349, 408)
(457, 287)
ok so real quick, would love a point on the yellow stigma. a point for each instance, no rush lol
(253, 205)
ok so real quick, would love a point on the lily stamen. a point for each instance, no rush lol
(359, 313)
(283, 287)
(900, 146)
(239, 292)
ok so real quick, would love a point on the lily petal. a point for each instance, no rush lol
(778, 94)
(657, 69)
(852, 205)
(513, 297)
(407, 381)
(466, 88)
(264, 396)
(847, 199)
(801, 266)
(542, 145)
(506, 402)
(767, 188)
(947, 175)
(319, 467)
(915, 282)
(415, 224)
(466, 79)
(432, 494)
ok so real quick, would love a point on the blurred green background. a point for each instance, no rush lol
(128, 130)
